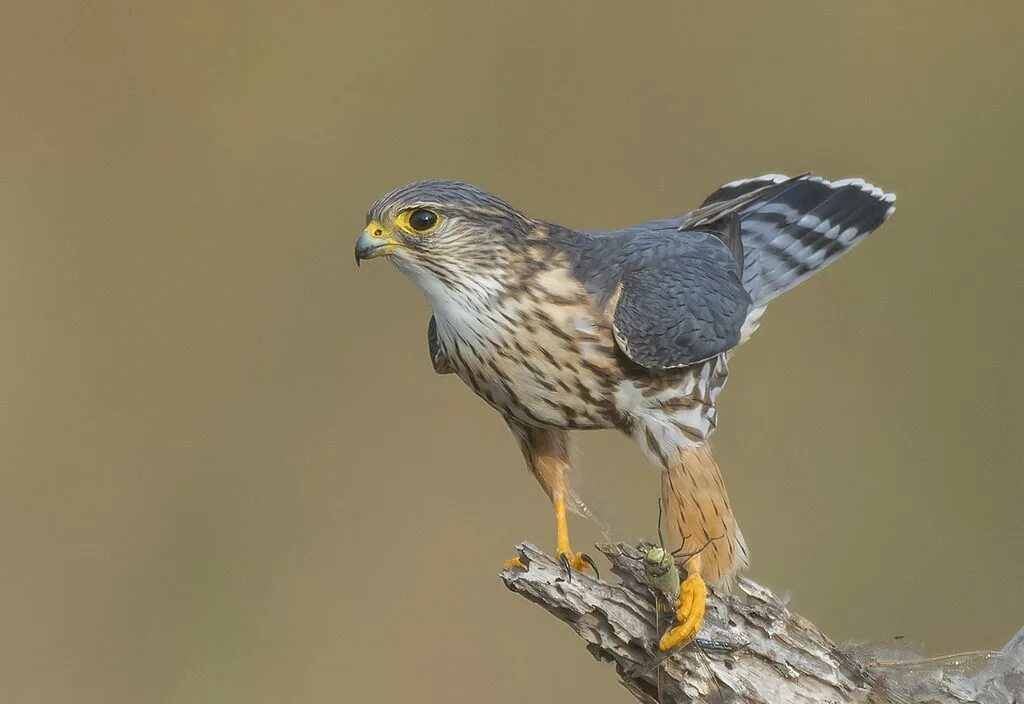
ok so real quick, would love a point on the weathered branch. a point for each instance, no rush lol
(756, 649)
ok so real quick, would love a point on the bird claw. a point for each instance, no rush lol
(576, 563)
(519, 561)
(564, 559)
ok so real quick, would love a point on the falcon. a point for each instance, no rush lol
(561, 330)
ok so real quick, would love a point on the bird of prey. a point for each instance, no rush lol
(563, 330)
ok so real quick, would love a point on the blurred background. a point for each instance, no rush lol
(229, 471)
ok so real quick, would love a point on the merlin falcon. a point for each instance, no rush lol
(632, 329)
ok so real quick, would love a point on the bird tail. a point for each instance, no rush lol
(697, 510)
(793, 227)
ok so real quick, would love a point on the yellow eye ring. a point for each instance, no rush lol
(418, 221)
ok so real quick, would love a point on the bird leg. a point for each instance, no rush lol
(693, 596)
(694, 497)
(547, 453)
(570, 560)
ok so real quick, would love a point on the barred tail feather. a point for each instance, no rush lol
(792, 228)
(697, 509)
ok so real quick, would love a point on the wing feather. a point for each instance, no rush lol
(680, 301)
(438, 357)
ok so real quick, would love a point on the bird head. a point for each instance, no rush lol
(444, 235)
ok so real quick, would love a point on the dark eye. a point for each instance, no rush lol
(422, 219)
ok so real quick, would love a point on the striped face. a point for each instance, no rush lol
(451, 239)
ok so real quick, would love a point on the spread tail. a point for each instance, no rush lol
(793, 227)
(697, 509)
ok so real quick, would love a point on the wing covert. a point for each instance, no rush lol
(680, 303)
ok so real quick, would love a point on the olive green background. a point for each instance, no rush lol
(229, 473)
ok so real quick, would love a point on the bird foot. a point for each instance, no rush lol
(571, 562)
(576, 562)
(516, 562)
(693, 597)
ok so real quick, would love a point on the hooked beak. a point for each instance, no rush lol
(374, 242)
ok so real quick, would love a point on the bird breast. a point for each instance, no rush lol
(540, 353)
(544, 355)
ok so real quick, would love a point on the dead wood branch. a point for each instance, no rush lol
(763, 652)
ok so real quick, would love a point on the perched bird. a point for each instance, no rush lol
(631, 329)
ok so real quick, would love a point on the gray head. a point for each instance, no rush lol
(442, 233)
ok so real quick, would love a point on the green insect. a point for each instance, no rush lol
(661, 573)
(662, 576)
(661, 568)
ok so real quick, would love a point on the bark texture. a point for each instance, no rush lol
(752, 649)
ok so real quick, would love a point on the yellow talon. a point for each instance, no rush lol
(515, 562)
(573, 561)
(693, 597)
(577, 561)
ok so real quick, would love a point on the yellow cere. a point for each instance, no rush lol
(378, 231)
(382, 236)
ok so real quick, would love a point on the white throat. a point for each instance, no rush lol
(468, 306)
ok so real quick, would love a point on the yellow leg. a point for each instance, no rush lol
(546, 451)
(576, 560)
(693, 597)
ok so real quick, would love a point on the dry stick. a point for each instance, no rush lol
(777, 655)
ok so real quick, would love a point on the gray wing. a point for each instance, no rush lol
(680, 300)
(438, 357)
(685, 284)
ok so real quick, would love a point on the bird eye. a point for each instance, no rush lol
(422, 220)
